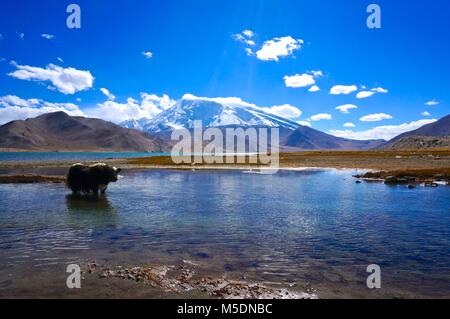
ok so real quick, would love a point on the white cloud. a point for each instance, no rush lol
(149, 106)
(15, 108)
(13, 100)
(249, 52)
(432, 102)
(349, 124)
(375, 117)
(60, 59)
(227, 101)
(364, 94)
(248, 33)
(320, 117)
(273, 50)
(157, 103)
(299, 80)
(47, 36)
(305, 123)
(1, 36)
(108, 94)
(147, 54)
(245, 37)
(343, 89)
(21, 35)
(425, 113)
(314, 88)
(346, 107)
(65, 80)
(240, 38)
(379, 90)
(385, 132)
(303, 80)
(287, 111)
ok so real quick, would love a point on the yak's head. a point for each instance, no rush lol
(106, 173)
(113, 174)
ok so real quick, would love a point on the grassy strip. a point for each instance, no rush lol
(30, 179)
(421, 158)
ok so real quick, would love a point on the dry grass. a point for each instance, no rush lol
(391, 160)
(30, 179)
(225, 161)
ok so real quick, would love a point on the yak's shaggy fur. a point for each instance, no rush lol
(86, 179)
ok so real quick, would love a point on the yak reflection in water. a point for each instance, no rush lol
(89, 204)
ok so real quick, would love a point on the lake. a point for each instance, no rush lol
(74, 156)
(294, 228)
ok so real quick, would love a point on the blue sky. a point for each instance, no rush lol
(198, 47)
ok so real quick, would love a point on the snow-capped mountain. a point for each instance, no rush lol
(135, 124)
(228, 112)
(212, 114)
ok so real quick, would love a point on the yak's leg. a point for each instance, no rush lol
(103, 188)
(95, 190)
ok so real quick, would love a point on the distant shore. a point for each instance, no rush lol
(371, 160)
(423, 165)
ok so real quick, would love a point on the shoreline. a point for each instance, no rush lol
(430, 178)
(396, 167)
(391, 159)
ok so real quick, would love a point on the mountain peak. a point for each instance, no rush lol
(54, 115)
(212, 114)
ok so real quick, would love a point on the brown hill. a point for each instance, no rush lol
(421, 142)
(307, 138)
(61, 132)
(418, 138)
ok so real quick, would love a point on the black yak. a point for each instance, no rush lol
(86, 179)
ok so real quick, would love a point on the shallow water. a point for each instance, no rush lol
(314, 227)
(72, 156)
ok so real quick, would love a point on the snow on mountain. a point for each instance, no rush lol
(212, 114)
(135, 124)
